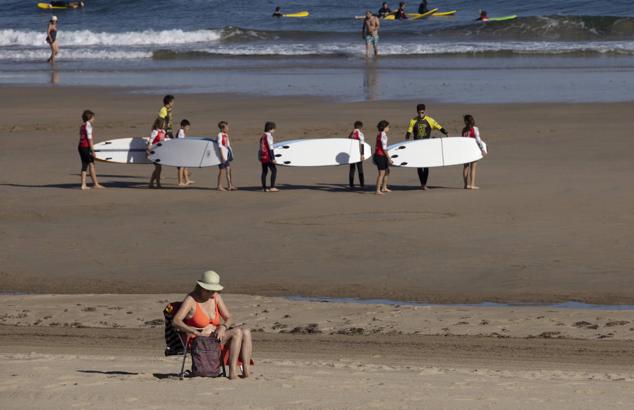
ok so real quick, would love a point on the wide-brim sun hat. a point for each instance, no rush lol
(210, 280)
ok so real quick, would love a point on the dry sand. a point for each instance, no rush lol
(105, 351)
(552, 222)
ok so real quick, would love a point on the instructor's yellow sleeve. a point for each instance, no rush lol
(410, 128)
(433, 123)
(163, 113)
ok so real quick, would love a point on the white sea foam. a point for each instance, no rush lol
(9, 37)
(73, 54)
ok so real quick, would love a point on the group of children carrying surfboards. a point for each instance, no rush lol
(420, 127)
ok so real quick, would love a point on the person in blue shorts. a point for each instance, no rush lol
(370, 32)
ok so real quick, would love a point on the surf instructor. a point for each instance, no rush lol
(370, 32)
(420, 127)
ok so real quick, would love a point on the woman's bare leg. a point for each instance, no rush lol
(246, 352)
(465, 175)
(93, 176)
(235, 343)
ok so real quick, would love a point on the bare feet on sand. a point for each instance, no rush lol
(221, 189)
(233, 188)
(424, 188)
(98, 186)
(85, 187)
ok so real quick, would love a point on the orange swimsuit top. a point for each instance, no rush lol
(200, 318)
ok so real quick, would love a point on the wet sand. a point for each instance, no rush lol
(552, 221)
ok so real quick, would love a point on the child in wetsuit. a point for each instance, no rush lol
(357, 134)
(183, 173)
(469, 170)
(277, 12)
(267, 156)
(157, 135)
(226, 156)
(86, 150)
(381, 157)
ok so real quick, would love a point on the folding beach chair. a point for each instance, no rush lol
(177, 343)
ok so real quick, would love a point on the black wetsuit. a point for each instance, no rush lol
(422, 8)
(400, 15)
(383, 12)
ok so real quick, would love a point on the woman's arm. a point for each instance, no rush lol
(224, 312)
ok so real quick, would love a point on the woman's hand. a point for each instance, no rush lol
(207, 330)
(220, 332)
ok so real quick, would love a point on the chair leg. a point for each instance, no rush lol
(181, 375)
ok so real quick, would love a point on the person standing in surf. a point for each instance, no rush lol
(357, 135)
(158, 134)
(51, 38)
(469, 170)
(226, 156)
(370, 32)
(267, 157)
(166, 114)
(86, 150)
(381, 158)
(420, 127)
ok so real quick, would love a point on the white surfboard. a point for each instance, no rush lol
(319, 152)
(435, 152)
(122, 151)
(186, 152)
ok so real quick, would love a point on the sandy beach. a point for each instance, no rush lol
(105, 351)
(85, 275)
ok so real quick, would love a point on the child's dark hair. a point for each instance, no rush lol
(358, 124)
(269, 126)
(222, 125)
(382, 125)
(168, 99)
(421, 107)
(469, 122)
(159, 123)
(185, 123)
(87, 115)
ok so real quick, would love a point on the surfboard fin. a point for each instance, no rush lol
(287, 162)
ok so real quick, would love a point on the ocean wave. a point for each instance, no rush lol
(561, 28)
(9, 37)
(545, 28)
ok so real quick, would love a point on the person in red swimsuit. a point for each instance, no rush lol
(204, 313)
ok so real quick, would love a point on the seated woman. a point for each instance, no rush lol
(200, 315)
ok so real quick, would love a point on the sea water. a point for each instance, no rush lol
(564, 50)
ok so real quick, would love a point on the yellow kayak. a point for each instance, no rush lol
(422, 16)
(444, 13)
(412, 16)
(299, 14)
(48, 6)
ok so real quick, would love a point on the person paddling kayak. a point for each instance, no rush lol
(483, 16)
(68, 4)
(384, 11)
